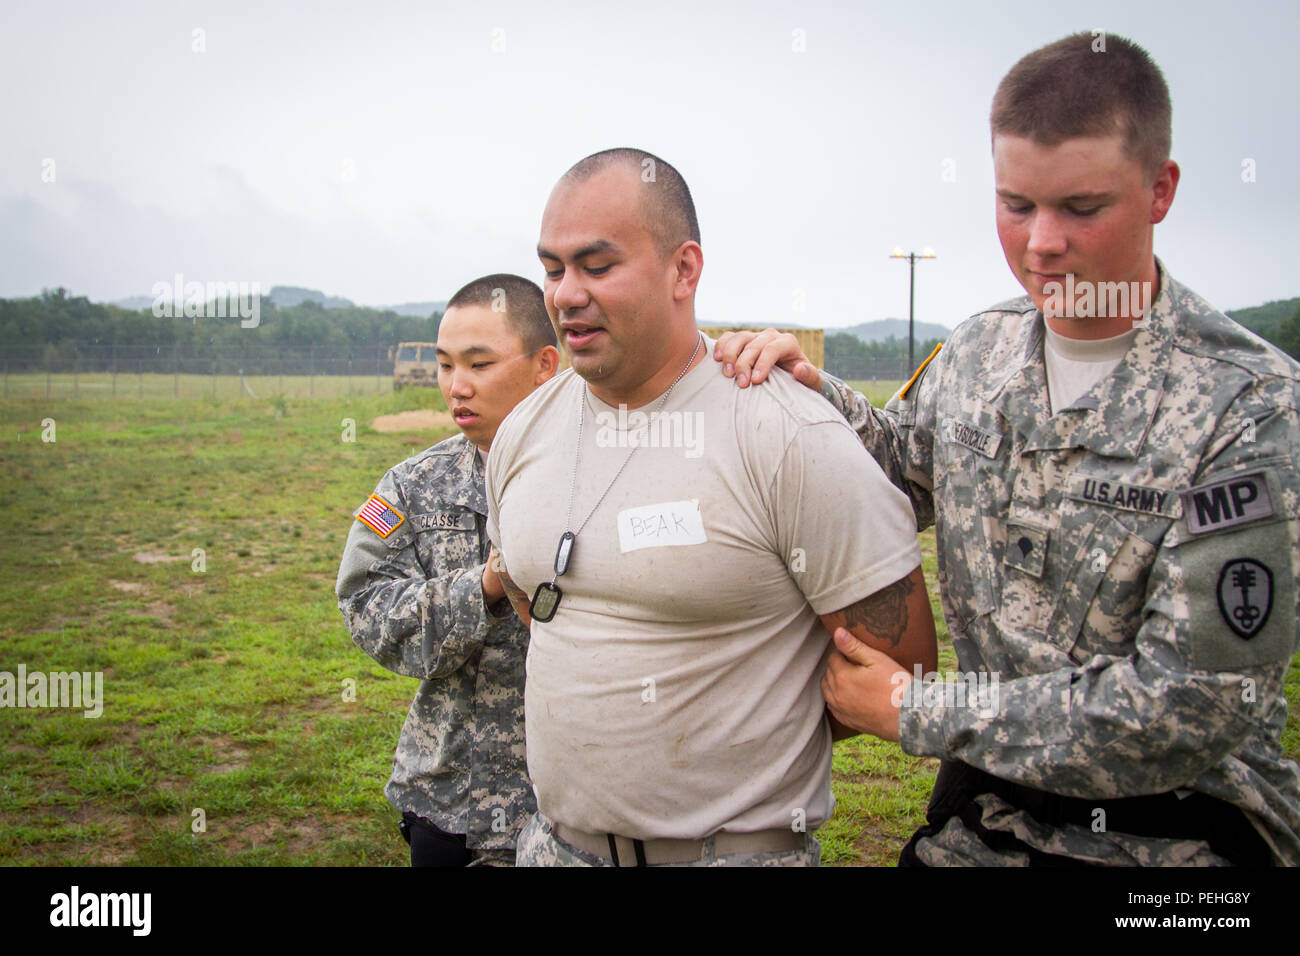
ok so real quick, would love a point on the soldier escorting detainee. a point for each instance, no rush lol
(1116, 502)
(420, 597)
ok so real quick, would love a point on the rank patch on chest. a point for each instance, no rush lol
(1227, 502)
(1026, 548)
(1121, 494)
(380, 516)
(1245, 596)
(975, 438)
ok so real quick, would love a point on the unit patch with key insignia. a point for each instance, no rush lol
(1245, 596)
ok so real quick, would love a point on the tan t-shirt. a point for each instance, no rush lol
(676, 692)
(1074, 366)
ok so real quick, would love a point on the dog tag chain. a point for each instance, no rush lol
(546, 599)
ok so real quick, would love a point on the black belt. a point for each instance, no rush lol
(1197, 816)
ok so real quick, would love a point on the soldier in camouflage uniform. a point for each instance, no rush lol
(419, 597)
(1124, 565)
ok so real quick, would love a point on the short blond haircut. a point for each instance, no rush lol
(1086, 85)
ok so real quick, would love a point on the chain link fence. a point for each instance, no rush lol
(87, 370)
(871, 370)
(81, 370)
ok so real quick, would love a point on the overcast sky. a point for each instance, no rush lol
(390, 152)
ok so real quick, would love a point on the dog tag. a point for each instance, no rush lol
(545, 601)
(562, 553)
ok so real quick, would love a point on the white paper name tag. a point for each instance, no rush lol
(660, 526)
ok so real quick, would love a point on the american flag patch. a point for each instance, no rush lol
(380, 516)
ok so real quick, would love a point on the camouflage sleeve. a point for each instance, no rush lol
(897, 438)
(1214, 638)
(412, 623)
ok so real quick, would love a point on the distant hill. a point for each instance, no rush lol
(882, 329)
(704, 322)
(877, 331)
(135, 303)
(287, 296)
(420, 310)
(1264, 320)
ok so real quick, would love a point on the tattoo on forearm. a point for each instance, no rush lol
(883, 614)
(512, 590)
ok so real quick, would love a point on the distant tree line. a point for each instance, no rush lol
(1286, 336)
(57, 330)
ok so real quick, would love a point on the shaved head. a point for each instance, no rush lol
(665, 199)
(520, 300)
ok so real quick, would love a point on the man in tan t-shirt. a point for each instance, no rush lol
(685, 545)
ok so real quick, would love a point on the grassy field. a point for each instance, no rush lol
(224, 667)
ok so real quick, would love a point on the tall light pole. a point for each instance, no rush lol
(911, 257)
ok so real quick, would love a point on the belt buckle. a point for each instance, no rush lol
(634, 854)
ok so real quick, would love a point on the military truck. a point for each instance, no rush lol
(416, 364)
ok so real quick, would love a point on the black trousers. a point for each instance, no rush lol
(431, 846)
(1223, 826)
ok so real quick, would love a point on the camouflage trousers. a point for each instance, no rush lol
(957, 845)
(539, 846)
(505, 857)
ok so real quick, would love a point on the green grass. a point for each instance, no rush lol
(877, 392)
(881, 792)
(223, 687)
